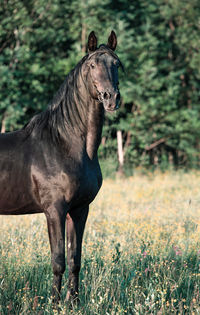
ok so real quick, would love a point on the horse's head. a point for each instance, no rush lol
(102, 72)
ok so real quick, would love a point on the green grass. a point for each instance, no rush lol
(141, 252)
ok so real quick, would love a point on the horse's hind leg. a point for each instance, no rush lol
(75, 227)
(56, 218)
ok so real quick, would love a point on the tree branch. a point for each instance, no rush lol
(155, 144)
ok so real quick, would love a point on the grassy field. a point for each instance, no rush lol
(141, 252)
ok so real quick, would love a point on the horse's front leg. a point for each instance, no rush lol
(75, 227)
(56, 218)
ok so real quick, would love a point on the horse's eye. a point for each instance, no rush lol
(92, 65)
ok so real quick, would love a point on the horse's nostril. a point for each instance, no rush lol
(118, 97)
(106, 95)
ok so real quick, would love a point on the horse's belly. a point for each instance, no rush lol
(15, 197)
(26, 209)
(14, 202)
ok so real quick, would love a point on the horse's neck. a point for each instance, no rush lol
(83, 117)
(93, 114)
(94, 128)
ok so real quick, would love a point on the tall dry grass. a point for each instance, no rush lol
(141, 252)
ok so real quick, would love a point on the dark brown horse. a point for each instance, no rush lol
(51, 165)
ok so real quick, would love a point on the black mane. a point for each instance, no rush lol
(65, 114)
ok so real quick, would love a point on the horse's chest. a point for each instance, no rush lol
(91, 185)
(87, 185)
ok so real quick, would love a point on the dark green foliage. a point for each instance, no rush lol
(40, 41)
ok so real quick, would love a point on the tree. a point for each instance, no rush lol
(33, 57)
(158, 43)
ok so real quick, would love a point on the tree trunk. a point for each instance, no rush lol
(128, 140)
(103, 141)
(120, 152)
(83, 39)
(3, 125)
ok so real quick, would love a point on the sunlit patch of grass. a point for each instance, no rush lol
(141, 252)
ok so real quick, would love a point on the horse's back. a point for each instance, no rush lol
(9, 141)
(13, 151)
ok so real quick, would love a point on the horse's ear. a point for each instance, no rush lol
(112, 41)
(92, 42)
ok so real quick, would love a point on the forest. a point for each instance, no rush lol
(158, 124)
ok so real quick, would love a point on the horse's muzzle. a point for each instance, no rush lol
(111, 101)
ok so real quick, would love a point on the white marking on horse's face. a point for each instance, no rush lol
(69, 245)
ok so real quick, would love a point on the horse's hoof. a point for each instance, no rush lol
(72, 299)
(56, 305)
